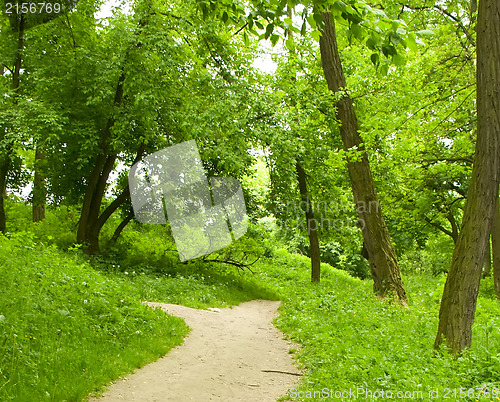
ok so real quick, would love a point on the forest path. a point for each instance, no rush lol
(231, 354)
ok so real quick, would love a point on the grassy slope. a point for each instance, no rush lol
(65, 329)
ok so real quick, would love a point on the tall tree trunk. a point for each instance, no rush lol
(97, 180)
(487, 260)
(312, 225)
(383, 263)
(5, 160)
(96, 221)
(495, 246)
(458, 304)
(39, 191)
(3, 195)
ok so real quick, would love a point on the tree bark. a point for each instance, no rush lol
(458, 304)
(382, 257)
(97, 181)
(495, 247)
(5, 160)
(39, 191)
(4, 168)
(312, 225)
(96, 222)
(120, 228)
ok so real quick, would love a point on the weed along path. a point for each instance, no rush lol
(229, 355)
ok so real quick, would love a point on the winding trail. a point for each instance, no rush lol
(230, 355)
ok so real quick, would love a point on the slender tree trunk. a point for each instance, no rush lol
(5, 159)
(39, 191)
(97, 181)
(120, 228)
(458, 304)
(487, 261)
(3, 195)
(96, 221)
(383, 263)
(495, 246)
(312, 225)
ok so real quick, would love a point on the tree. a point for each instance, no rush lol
(458, 304)
(378, 243)
(311, 224)
(7, 135)
(385, 270)
(495, 247)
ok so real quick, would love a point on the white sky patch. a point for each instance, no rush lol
(111, 6)
(264, 61)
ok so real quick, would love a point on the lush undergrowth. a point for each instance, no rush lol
(66, 329)
(68, 326)
(349, 339)
(352, 341)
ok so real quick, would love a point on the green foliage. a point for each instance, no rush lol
(356, 265)
(349, 339)
(58, 227)
(66, 330)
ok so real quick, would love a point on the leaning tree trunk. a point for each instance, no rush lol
(458, 304)
(96, 222)
(120, 228)
(312, 225)
(382, 257)
(97, 180)
(39, 191)
(495, 247)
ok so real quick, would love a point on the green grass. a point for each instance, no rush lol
(351, 340)
(67, 327)
(65, 330)
(348, 338)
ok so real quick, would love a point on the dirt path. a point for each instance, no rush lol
(230, 355)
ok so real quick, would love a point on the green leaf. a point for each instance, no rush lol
(389, 50)
(316, 35)
(358, 31)
(399, 60)
(303, 29)
(269, 30)
(339, 6)
(394, 38)
(384, 69)
(225, 17)
(259, 25)
(274, 39)
(375, 58)
(318, 18)
(245, 38)
(379, 13)
(290, 43)
(311, 21)
(373, 42)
